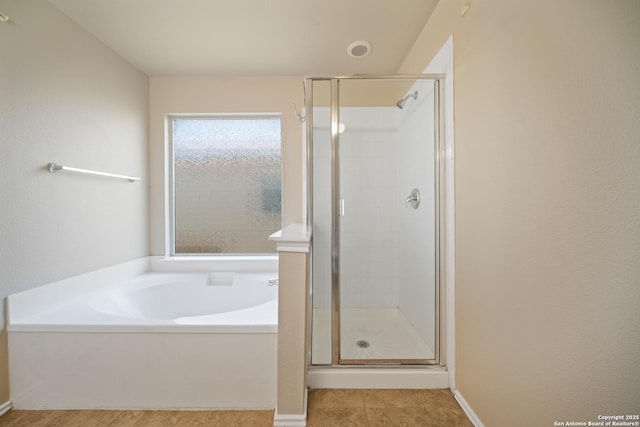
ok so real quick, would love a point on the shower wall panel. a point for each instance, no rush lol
(417, 281)
(321, 264)
(369, 237)
(369, 225)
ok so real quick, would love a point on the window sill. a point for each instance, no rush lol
(195, 264)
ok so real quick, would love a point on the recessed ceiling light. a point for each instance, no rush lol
(359, 49)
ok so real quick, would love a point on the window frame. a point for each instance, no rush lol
(170, 204)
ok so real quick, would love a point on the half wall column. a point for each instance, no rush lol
(292, 244)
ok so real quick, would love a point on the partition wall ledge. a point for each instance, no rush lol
(293, 238)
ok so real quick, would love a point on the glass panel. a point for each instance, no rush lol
(321, 263)
(387, 248)
(227, 184)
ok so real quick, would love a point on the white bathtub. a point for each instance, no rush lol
(217, 300)
(124, 338)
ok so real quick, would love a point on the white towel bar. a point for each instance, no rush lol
(55, 168)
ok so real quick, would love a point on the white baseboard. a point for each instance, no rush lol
(467, 409)
(289, 420)
(5, 407)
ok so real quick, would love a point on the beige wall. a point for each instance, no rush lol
(65, 98)
(204, 95)
(360, 93)
(292, 332)
(547, 155)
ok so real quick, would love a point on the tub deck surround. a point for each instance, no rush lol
(99, 341)
(204, 264)
(25, 304)
(158, 302)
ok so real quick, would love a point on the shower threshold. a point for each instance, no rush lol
(427, 377)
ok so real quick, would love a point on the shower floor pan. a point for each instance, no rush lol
(367, 334)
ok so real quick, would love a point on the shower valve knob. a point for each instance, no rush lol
(413, 199)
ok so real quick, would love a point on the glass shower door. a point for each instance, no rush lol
(385, 218)
(374, 209)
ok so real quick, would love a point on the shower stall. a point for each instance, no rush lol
(375, 205)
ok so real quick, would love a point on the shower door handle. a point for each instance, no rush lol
(413, 199)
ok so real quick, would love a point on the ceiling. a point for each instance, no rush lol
(253, 37)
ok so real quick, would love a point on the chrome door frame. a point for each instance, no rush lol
(439, 181)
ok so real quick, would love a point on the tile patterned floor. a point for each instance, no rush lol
(327, 408)
(388, 408)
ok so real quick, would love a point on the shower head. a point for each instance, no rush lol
(403, 101)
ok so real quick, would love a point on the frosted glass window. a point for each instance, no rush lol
(226, 183)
